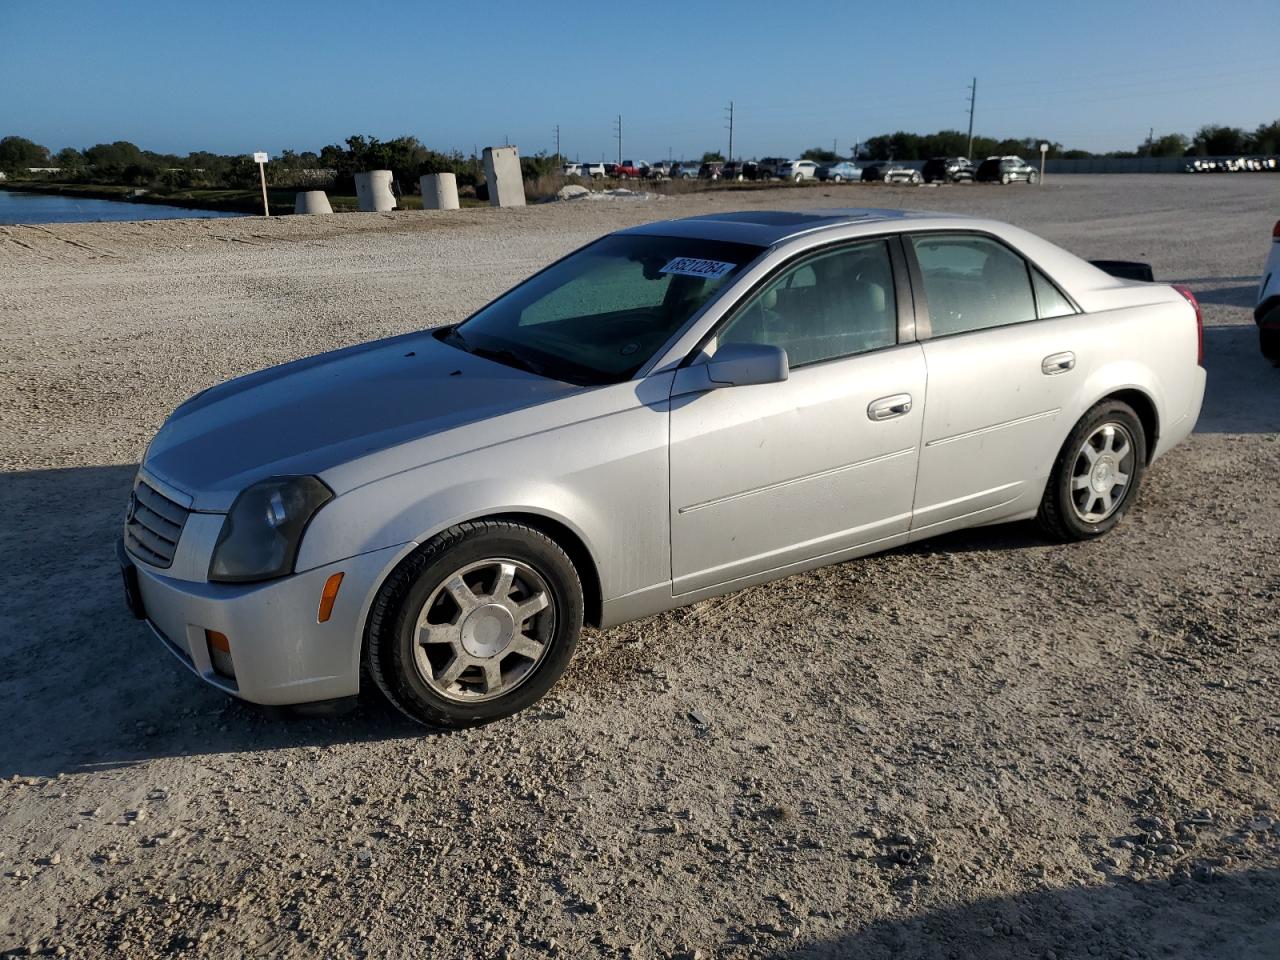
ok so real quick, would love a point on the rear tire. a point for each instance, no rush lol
(1096, 477)
(492, 646)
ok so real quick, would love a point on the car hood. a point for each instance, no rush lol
(307, 416)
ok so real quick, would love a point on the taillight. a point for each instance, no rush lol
(1195, 305)
(1275, 231)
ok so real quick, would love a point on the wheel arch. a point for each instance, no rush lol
(571, 542)
(1145, 408)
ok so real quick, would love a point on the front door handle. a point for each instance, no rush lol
(1058, 363)
(886, 408)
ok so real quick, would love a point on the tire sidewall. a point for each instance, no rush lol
(399, 641)
(1112, 411)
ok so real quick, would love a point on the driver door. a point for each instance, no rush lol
(817, 467)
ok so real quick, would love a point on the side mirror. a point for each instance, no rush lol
(744, 364)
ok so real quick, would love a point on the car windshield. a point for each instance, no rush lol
(600, 314)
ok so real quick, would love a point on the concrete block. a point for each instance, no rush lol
(373, 191)
(439, 191)
(502, 174)
(312, 201)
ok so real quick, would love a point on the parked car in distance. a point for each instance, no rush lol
(840, 171)
(628, 170)
(711, 170)
(1267, 312)
(684, 170)
(740, 170)
(749, 395)
(571, 169)
(798, 170)
(769, 166)
(595, 171)
(948, 170)
(1006, 170)
(659, 169)
(890, 172)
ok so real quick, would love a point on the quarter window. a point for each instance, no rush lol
(972, 283)
(835, 304)
(1049, 299)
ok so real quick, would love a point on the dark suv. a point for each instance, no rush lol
(1006, 170)
(947, 170)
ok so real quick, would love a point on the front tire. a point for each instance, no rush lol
(1096, 476)
(475, 625)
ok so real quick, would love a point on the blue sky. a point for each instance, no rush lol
(235, 76)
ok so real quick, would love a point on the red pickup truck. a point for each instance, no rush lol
(627, 170)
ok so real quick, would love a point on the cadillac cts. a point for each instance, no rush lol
(672, 412)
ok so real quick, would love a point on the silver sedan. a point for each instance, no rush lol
(672, 412)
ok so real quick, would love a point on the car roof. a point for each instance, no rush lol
(767, 227)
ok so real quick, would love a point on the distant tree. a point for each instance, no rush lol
(18, 153)
(1266, 139)
(819, 155)
(713, 156)
(1169, 145)
(1213, 141)
(109, 161)
(71, 162)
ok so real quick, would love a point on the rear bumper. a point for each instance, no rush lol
(280, 653)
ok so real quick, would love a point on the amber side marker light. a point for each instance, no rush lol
(220, 653)
(327, 597)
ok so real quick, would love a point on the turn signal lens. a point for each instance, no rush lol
(328, 596)
(218, 641)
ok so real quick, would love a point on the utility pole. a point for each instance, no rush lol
(1151, 133)
(834, 141)
(618, 133)
(557, 143)
(730, 156)
(973, 101)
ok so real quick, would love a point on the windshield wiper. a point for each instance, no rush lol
(505, 355)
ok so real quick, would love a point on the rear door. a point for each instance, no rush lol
(1005, 352)
(774, 475)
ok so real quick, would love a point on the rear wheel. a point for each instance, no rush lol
(1097, 473)
(1004, 179)
(1033, 178)
(477, 624)
(837, 178)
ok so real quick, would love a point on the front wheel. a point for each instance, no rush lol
(837, 178)
(1097, 473)
(799, 177)
(475, 625)
(1033, 178)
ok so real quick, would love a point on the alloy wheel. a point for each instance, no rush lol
(1102, 471)
(484, 630)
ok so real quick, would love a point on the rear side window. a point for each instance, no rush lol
(835, 304)
(972, 283)
(1049, 299)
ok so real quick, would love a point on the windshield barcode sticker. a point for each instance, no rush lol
(693, 267)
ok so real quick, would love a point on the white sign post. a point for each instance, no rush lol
(1044, 148)
(261, 160)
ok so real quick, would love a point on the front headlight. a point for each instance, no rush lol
(260, 536)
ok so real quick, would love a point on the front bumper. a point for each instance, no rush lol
(280, 653)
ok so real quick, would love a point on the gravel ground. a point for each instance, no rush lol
(984, 746)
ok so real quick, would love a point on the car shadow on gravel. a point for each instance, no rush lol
(1234, 916)
(1241, 390)
(82, 684)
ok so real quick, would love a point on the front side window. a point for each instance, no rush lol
(600, 314)
(835, 304)
(972, 283)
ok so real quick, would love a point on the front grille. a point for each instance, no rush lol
(153, 526)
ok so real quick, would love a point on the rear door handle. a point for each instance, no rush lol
(1058, 363)
(886, 408)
